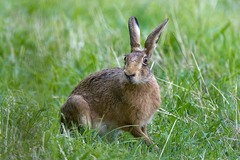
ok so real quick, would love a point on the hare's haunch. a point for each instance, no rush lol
(125, 98)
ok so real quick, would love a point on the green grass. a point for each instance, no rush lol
(47, 47)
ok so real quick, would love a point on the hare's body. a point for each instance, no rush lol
(113, 105)
(118, 98)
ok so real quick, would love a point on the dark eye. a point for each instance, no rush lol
(145, 61)
(125, 59)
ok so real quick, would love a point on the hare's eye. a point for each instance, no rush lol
(145, 61)
(125, 60)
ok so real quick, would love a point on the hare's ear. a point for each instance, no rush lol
(153, 38)
(134, 33)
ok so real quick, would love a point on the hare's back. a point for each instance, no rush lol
(100, 85)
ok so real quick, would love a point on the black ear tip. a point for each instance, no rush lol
(163, 24)
(165, 21)
(136, 21)
(133, 18)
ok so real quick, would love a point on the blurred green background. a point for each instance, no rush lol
(47, 47)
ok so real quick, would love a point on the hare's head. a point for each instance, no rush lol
(136, 67)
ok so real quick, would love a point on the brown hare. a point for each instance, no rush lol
(124, 98)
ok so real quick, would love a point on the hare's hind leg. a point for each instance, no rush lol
(75, 111)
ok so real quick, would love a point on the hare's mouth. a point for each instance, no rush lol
(132, 78)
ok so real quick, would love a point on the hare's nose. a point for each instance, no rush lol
(129, 75)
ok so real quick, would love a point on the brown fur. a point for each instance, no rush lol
(118, 98)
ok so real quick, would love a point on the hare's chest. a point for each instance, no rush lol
(143, 112)
(146, 99)
(141, 107)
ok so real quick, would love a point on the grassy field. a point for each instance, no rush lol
(47, 47)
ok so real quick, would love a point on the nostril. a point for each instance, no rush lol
(130, 75)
